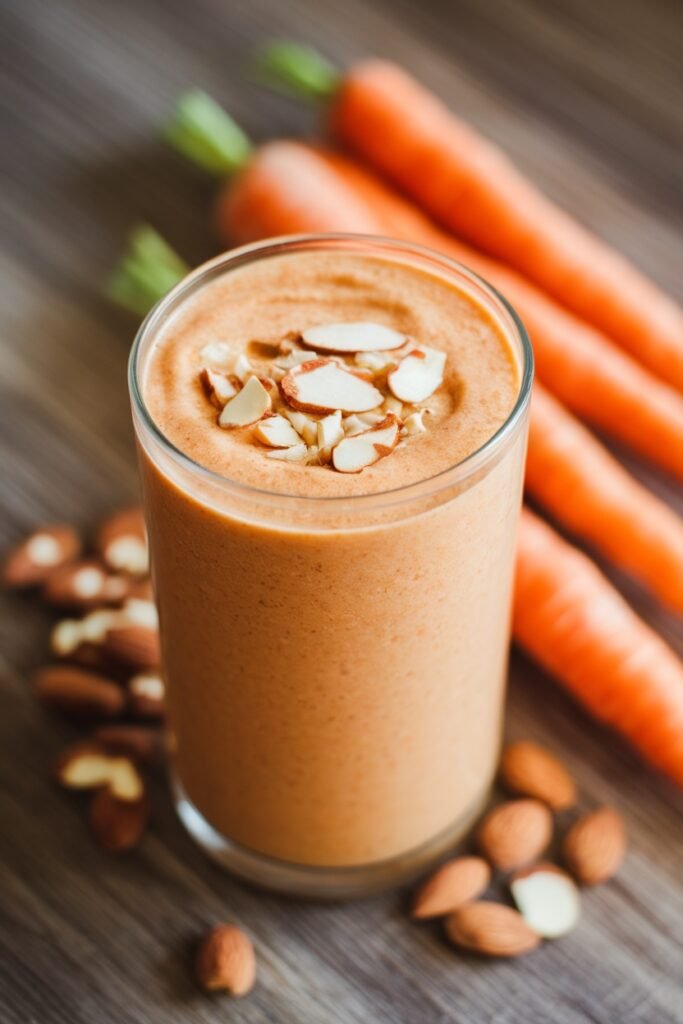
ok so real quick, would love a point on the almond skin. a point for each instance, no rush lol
(117, 825)
(453, 884)
(226, 961)
(490, 929)
(528, 769)
(24, 566)
(139, 742)
(515, 833)
(595, 845)
(79, 693)
(134, 646)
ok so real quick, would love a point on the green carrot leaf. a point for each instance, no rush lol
(148, 269)
(202, 131)
(297, 70)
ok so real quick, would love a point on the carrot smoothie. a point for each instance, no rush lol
(331, 435)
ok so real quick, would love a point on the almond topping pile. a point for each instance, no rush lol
(340, 395)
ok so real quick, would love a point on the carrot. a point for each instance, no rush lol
(584, 488)
(570, 620)
(289, 187)
(468, 184)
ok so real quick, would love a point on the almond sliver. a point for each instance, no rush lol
(277, 432)
(248, 406)
(359, 336)
(361, 450)
(322, 386)
(418, 375)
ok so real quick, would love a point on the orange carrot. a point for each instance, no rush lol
(291, 187)
(570, 619)
(468, 184)
(583, 487)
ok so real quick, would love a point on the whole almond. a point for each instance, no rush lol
(456, 882)
(36, 557)
(491, 929)
(79, 693)
(121, 540)
(118, 825)
(595, 845)
(83, 585)
(133, 645)
(528, 769)
(226, 961)
(515, 833)
(139, 742)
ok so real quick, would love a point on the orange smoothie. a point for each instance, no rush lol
(331, 439)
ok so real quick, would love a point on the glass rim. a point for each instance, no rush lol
(430, 486)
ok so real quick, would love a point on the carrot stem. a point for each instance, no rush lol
(149, 268)
(297, 70)
(203, 132)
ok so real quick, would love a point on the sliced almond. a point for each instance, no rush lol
(276, 432)
(146, 695)
(305, 427)
(33, 560)
(355, 453)
(376, 362)
(295, 357)
(218, 387)
(453, 884)
(322, 386)
(218, 355)
(226, 961)
(297, 453)
(353, 425)
(491, 929)
(79, 693)
(358, 336)
(118, 825)
(248, 406)
(243, 368)
(418, 375)
(371, 418)
(515, 833)
(84, 584)
(413, 424)
(330, 430)
(547, 899)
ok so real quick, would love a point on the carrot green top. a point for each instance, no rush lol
(296, 69)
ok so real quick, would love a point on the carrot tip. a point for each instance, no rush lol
(296, 70)
(204, 133)
(148, 269)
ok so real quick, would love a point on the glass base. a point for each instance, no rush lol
(318, 882)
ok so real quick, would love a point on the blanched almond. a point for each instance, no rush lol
(323, 385)
(547, 899)
(276, 432)
(248, 406)
(355, 453)
(418, 375)
(358, 336)
(33, 560)
(456, 882)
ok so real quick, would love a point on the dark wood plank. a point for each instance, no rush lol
(586, 97)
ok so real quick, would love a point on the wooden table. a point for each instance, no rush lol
(586, 96)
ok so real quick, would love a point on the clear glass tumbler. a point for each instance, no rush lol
(346, 760)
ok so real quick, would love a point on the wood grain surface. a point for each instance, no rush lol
(587, 97)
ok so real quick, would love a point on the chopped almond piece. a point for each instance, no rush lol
(297, 453)
(418, 375)
(330, 430)
(277, 432)
(356, 453)
(218, 387)
(248, 406)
